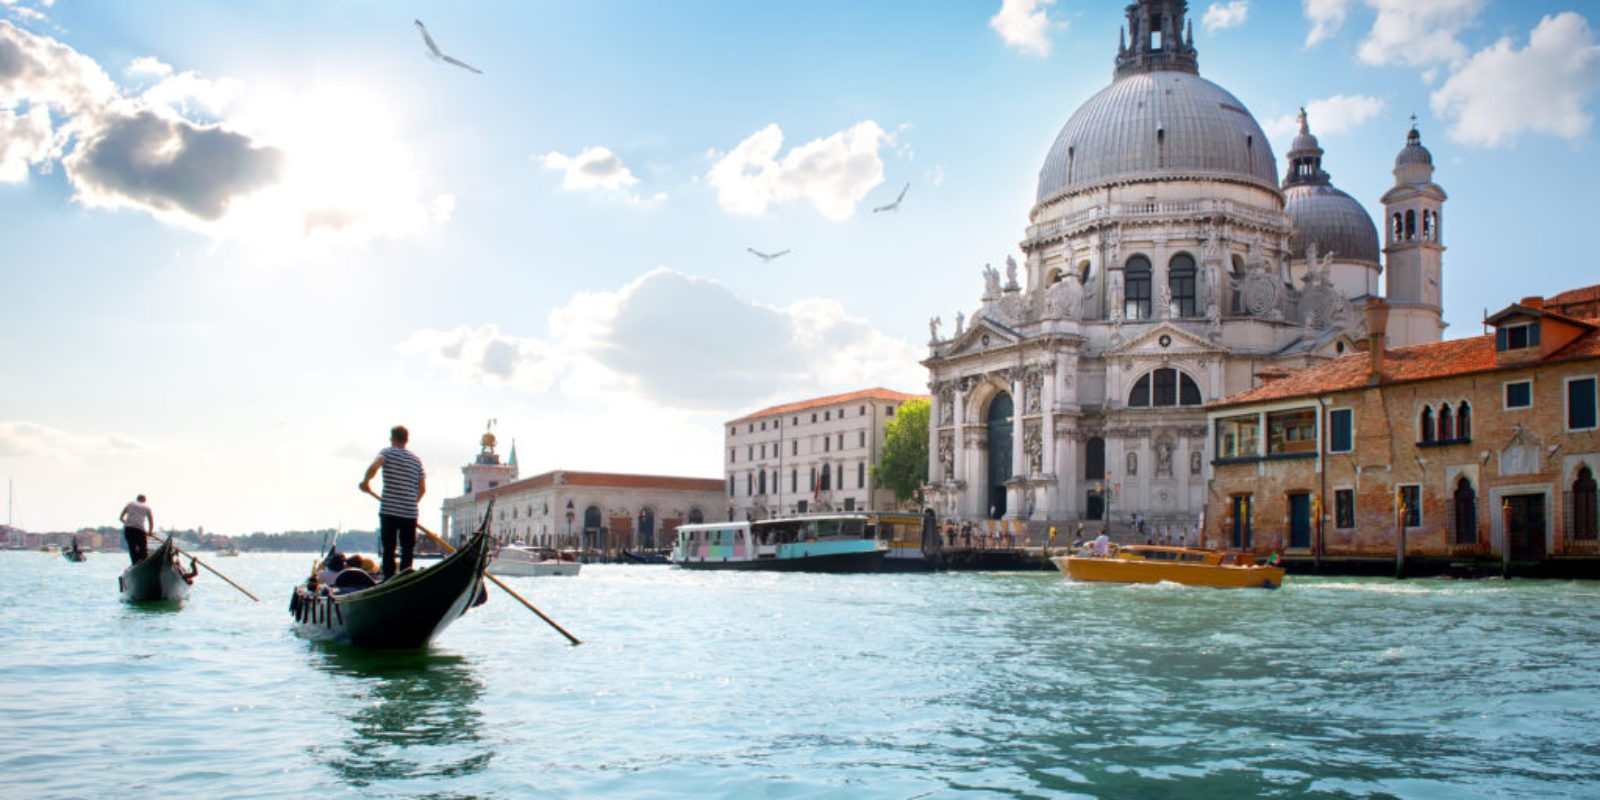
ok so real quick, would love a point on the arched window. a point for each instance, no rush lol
(1466, 513)
(1425, 425)
(1164, 387)
(1446, 429)
(1236, 305)
(763, 486)
(1427, 226)
(1411, 225)
(591, 517)
(1180, 278)
(696, 516)
(1136, 285)
(1585, 514)
(827, 477)
(1464, 421)
(1396, 227)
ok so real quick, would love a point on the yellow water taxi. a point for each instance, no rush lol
(1190, 566)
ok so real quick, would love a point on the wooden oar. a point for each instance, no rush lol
(497, 581)
(208, 567)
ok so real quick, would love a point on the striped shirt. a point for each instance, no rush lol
(402, 472)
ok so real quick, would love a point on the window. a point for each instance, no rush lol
(730, 485)
(1425, 425)
(827, 442)
(1292, 431)
(1464, 422)
(794, 480)
(752, 428)
(827, 477)
(1136, 289)
(763, 451)
(1581, 411)
(1341, 430)
(750, 453)
(732, 455)
(749, 484)
(1164, 387)
(794, 447)
(1180, 278)
(863, 440)
(763, 484)
(763, 425)
(1465, 518)
(1344, 508)
(863, 412)
(841, 441)
(1239, 437)
(1516, 337)
(827, 415)
(861, 475)
(888, 410)
(1411, 505)
(1446, 423)
(813, 416)
(1519, 394)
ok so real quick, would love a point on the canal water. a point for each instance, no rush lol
(726, 685)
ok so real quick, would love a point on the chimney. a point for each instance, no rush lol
(1377, 312)
(1534, 302)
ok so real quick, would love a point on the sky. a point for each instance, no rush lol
(241, 240)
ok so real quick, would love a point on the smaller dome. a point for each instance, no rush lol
(1335, 221)
(1413, 153)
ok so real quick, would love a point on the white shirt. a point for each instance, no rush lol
(136, 515)
(1102, 545)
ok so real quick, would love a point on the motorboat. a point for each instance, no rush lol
(1190, 566)
(521, 561)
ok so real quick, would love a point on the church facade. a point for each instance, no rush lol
(1164, 266)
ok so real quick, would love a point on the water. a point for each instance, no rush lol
(695, 684)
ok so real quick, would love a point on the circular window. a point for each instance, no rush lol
(1165, 340)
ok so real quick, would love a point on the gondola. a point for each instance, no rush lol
(157, 577)
(405, 611)
(73, 553)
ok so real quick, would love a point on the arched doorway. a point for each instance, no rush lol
(1585, 524)
(592, 531)
(1000, 423)
(647, 529)
(1094, 468)
(1466, 513)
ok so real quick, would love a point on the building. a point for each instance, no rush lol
(1164, 266)
(592, 511)
(1482, 447)
(811, 455)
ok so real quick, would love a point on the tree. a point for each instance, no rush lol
(903, 467)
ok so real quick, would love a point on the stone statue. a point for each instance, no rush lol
(961, 320)
(947, 457)
(1213, 321)
(1194, 462)
(933, 330)
(1133, 463)
(1163, 459)
(1011, 274)
(947, 403)
(991, 281)
(1166, 302)
(1064, 298)
(1035, 445)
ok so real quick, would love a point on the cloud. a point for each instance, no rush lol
(1220, 16)
(597, 169)
(833, 173)
(1023, 24)
(670, 340)
(1417, 32)
(318, 166)
(20, 438)
(1501, 91)
(1326, 18)
(1328, 116)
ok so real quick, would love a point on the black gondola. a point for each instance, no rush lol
(73, 553)
(405, 611)
(157, 577)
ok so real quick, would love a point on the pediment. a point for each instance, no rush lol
(1166, 340)
(983, 336)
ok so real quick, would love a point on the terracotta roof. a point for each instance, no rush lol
(1401, 365)
(612, 480)
(831, 400)
(1587, 294)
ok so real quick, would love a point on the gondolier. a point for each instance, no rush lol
(137, 522)
(403, 486)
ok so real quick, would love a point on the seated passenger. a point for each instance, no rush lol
(331, 567)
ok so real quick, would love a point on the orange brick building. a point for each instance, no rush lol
(1486, 447)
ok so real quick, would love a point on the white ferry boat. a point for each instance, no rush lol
(811, 543)
(517, 561)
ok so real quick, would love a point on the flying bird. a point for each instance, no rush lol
(435, 53)
(765, 257)
(895, 206)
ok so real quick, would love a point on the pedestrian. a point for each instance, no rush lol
(404, 483)
(138, 522)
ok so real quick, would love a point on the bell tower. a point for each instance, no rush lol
(1414, 247)
(1157, 38)
(486, 472)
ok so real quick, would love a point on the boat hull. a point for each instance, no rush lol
(404, 612)
(1115, 570)
(157, 578)
(536, 569)
(846, 562)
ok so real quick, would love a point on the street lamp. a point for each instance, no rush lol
(569, 523)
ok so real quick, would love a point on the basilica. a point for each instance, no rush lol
(1164, 266)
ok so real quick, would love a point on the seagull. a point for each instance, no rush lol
(435, 52)
(765, 257)
(895, 206)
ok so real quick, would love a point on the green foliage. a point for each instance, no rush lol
(903, 466)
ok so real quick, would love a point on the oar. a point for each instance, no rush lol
(209, 567)
(497, 581)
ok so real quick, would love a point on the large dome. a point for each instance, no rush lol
(1157, 124)
(1334, 220)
